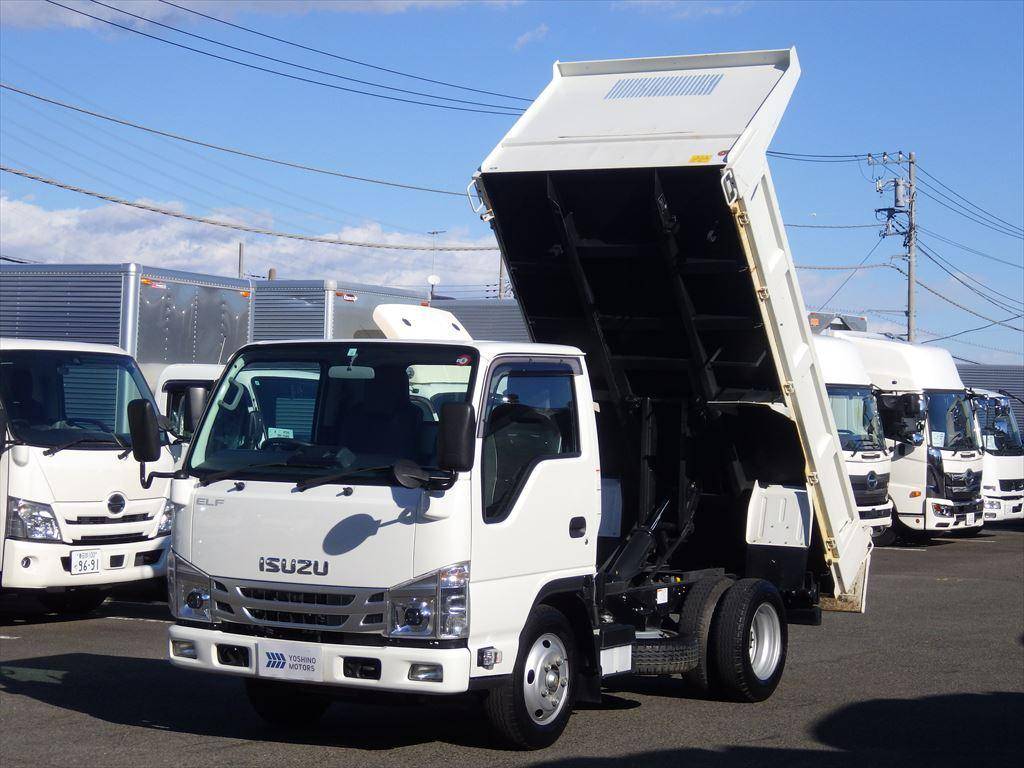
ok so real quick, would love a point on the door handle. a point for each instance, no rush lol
(577, 527)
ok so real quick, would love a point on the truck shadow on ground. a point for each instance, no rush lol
(26, 610)
(938, 731)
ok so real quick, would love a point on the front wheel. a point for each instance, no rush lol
(74, 601)
(531, 709)
(286, 705)
(885, 538)
(749, 638)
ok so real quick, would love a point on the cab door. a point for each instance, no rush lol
(537, 497)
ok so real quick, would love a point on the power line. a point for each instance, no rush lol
(956, 205)
(854, 268)
(960, 306)
(933, 254)
(277, 72)
(239, 227)
(343, 58)
(967, 215)
(968, 202)
(969, 249)
(287, 63)
(852, 274)
(968, 330)
(229, 150)
(833, 226)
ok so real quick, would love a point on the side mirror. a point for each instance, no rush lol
(144, 429)
(456, 437)
(195, 403)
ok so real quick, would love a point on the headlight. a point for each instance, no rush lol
(188, 590)
(940, 511)
(431, 606)
(31, 521)
(992, 504)
(166, 524)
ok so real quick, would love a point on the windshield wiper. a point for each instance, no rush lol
(313, 482)
(85, 439)
(222, 474)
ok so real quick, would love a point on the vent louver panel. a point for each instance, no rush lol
(282, 314)
(61, 308)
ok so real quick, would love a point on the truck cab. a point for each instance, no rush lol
(929, 425)
(1002, 485)
(76, 516)
(851, 396)
(653, 485)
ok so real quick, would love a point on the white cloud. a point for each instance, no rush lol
(35, 13)
(687, 9)
(534, 35)
(112, 233)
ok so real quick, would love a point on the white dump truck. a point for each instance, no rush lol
(1002, 486)
(651, 486)
(851, 396)
(76, 518)
(927, 417)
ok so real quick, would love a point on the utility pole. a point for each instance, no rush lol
(904, 205)
(241, 260)
(501, 276)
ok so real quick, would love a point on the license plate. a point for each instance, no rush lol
(961, 518)
(290, 661)
(970, 519)
(85, 561)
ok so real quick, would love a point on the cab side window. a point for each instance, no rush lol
(530, 417)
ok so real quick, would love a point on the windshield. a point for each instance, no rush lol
(856, 415)
(53, 397)
(949, 421)
(319, 409)
(998, 425)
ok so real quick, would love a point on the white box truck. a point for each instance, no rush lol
(929, 424)
(76, 518)
(652, 486)
(851, 396)
(1002, 486)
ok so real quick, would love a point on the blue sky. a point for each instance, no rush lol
(942, 79)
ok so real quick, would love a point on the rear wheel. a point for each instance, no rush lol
(749, 639)
(74, 601)
(695, 620)
(286, 705)
(531, 709)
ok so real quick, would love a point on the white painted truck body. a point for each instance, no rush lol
(104, 528)
(936, 485)
(1002, 485)
(853, 408)
(306, 583)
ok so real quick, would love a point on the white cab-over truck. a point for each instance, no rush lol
(929, 425)
(76, 519)
(852, 398)
(1002, 486)
(653, 486)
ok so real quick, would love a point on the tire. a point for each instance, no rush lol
(749, 638)
(286, 705)
(74, 601)
(695, 620)
(513, 707)
(886, 538)
(665, 656)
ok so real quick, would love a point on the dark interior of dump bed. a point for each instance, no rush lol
(644, 271)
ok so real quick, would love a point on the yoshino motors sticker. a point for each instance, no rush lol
(290, 661)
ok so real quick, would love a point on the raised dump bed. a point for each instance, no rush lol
(636, 214)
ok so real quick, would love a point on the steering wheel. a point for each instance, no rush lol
(284, 444)
(76, 422)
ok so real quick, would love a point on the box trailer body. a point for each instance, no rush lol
(999, 435)
(526, 519)
(936, 465)
(859, 426)
(158, 316)
(75, 519)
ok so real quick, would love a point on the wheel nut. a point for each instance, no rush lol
(544, 694)
(564, 682)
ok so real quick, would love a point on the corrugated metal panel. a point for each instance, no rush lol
(997, 377)
(489, 319)
(61, 306)
(298, 313)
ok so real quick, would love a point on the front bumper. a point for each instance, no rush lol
(1008, 509)
(878, 517)
(962, 515)
(49, 564)
(395, 661)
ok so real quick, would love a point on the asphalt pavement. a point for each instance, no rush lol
(932, 674)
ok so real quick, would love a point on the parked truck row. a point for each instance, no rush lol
(662, 480)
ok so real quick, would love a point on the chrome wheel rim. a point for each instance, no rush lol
(765, 641)
(546, 679)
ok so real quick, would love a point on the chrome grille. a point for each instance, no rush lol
(97, 520)
(341, 609)
(962, 486)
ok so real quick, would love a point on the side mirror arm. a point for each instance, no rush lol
(146, 480)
